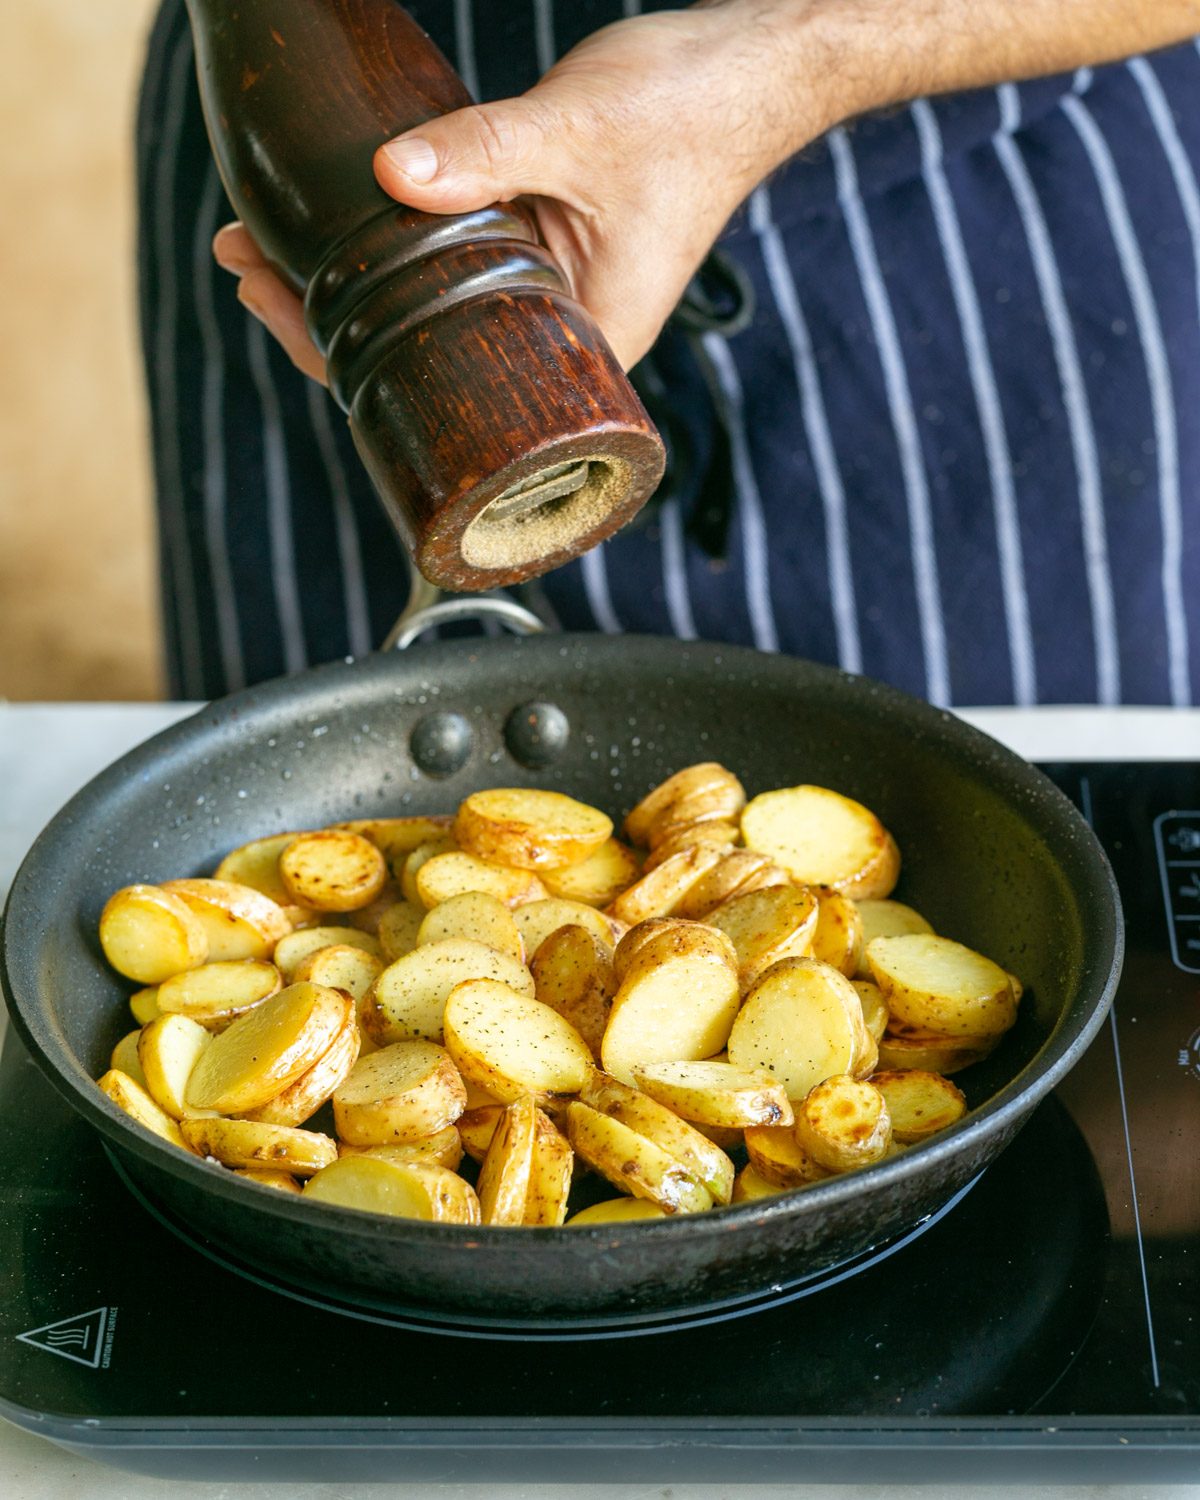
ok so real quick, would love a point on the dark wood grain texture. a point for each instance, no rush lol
(496, 424)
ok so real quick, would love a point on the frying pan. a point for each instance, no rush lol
(994, 855)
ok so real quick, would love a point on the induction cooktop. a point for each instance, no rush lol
(1043, 1325)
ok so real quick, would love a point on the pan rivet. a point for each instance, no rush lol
(536, 733)
(441, 744)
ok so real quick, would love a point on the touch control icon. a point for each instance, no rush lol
(1177, 840)
(85, 1338)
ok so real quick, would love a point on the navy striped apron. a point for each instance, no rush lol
(962, 428)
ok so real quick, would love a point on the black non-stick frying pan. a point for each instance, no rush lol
(993, 854)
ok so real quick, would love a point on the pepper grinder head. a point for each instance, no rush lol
(495, 422)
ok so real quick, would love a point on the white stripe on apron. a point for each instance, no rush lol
(464, 40)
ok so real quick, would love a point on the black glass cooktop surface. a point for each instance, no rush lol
(1046, 1325)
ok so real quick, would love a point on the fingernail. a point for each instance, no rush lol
(249, 299)
(225, 246)
(414, 157)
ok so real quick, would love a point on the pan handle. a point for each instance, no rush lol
(414, 622)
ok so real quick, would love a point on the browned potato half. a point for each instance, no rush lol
(902, 1047)
(168, 1049)
(676, 1003)
(138, 1105)
(749, 1184)
(396, 838)
(919, 1103)
(504, 1177)
(633, 1163)
(144, 1005)
(885, 918)
(369, 918)
(844, 1124)
(716, 1093)
(477, 1126)
(256, 864)
(249, 1143)
(778, 1157)
(767, 926)
(511, 1045)
(408, 1000)
(703, 1161)
(802, 1022)
(333, 870)
(478, 917)
(598, 879)
(403, 1093)
(823, 838)
(715, 835)
(291, 951)
(403, 1190)
(447, 875)
(238, 921)
(706, 785)
(217, 994)
(874, 1007)
(573, 975)
(838, 939)
(410, 868)
(442, 1149)
(341, 967)
(550, 1174)
(538, 919)
(942, 986)
(617, 1211)
(124, 1058)
(398, 929)
(149, 934)
(727, 879)
(282, 1182)
(659, 892)
(529, 830)
(268, 1048)
(689, 934)
(302, 1099)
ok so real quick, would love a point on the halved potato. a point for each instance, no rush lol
(333, 870)
(268, 1048)
(538, 919)
(341, 967)
(728, 878)
(942, 986)
(633, 1163)
(529, 830)
(844, 1123)
(148, 934)
(750, 1184)
(292, 950)
(885, 918)
(216, 994)
(779, 1158)
(573, 975)
(249, 1143)
(598, 879)
(477, 1127)
(451, 874)
(443, 1148)
(168, 1049)
(659, 892)
(396, 838)
(302, 1099)
(369, 918)
(404, 1190)
(676, 1003)
(411, 865)
(476, 916)
(706, 791)
(130, 1096)
(767, 926)
(919, 1103)
(823, 838)
(838, 938)
(716, 1093)
(398, 929)
(282, 1182)
(690, 935)
(504, 1177)
(238, 921)
(874, 1007)
(125, 1059)
(802, 1023)
(511, 1045)
(144, 1004)
(550, 1174)
(403, 1093)
(703, 1161)
(408, 1000)
(902, 1047)
(617, 1211)
(256, 864)
(721, 836)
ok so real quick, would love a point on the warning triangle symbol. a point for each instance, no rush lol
(80, 1338)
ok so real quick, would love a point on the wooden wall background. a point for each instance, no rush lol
(77, 590)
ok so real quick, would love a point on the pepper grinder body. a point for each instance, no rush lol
(496, 424)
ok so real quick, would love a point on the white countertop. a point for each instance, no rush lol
(48, 751)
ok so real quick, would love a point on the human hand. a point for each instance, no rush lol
(633, 151)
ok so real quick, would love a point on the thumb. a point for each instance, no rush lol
(475, 157)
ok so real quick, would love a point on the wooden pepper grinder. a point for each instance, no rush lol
(494, 420)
